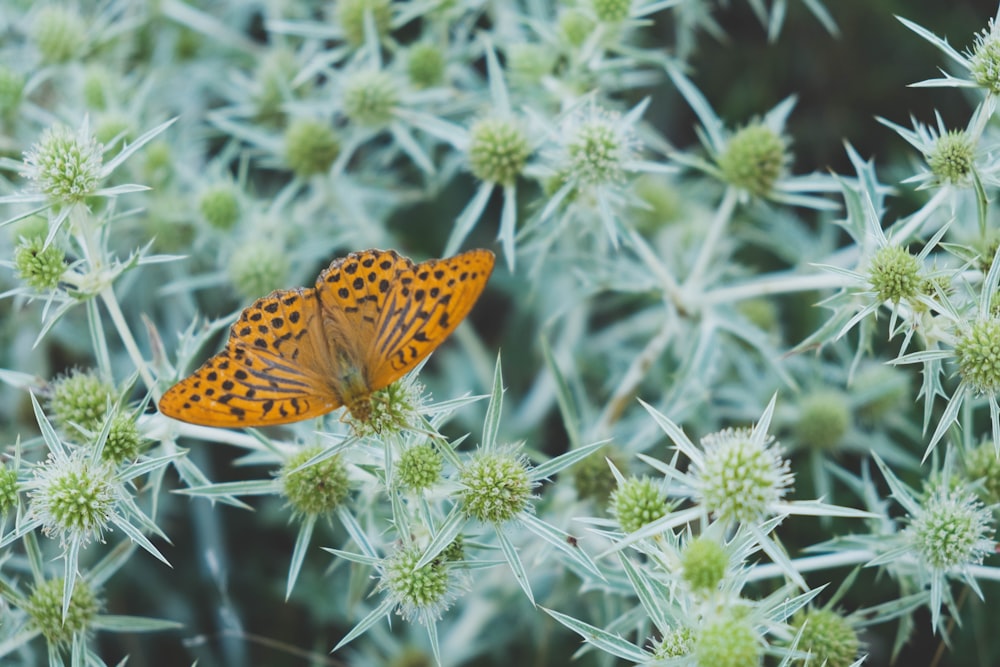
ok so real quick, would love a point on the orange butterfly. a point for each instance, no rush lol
(294, 354)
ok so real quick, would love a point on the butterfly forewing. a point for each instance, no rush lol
(423, 306)
(270, 372)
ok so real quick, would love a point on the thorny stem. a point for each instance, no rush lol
(85, 237)
(633, 376)
(719, 224)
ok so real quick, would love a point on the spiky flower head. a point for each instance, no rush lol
(315, 490)
(425, 64)
(219, 204)
(593, 478)
(953, 157)
(65, 165)
(894, 274)
(370, 97)
(59, 33)
(258, 267)
(824, 419)
(575, 25)
(984, 61)
(754, 158)
(495, 486)
(676, 643)
(728, 641)
(598, 146)
(952, 529)
(420, 467)
(44, 609)
(703, 564)
(311, 147)
(636, 502)
(828, 637)
(741, 477)
(419, 593)
(124, 442)
(978, 353)
(394, 409)
(73, 497)
(80, 398)
(351, 16)
(498, 150)
(9, 489)
(38, 265)
(983, 467)
(529, 62)
(612, 11)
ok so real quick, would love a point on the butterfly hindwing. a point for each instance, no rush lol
(270, 372)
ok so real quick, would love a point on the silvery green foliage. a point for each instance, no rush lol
(167, 162)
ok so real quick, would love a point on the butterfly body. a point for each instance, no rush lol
(370, 318)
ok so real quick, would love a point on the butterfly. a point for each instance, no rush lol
(371, 317)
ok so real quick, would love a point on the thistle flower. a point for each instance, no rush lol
(79, 402)
(637, 502)
(45, 611)
(258, 267)
(495, 486)
(59, 34)
(66, 169)
(740, 478)
(950, 531)
(419, 467)
(311, 147)
(40, 267)
(418, 592)
(827, 637)
(317, 489)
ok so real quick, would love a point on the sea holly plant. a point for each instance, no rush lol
(491, 487)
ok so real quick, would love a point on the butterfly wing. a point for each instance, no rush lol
(352, 292)
(422, 306)
(272, 370)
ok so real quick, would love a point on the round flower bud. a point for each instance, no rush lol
(754, 159)
(9, 488)
(498, 150)
(45, 614)
(80, 398)
(425, 65)
(984, 63)
(419, 467)
(951, 530)
(894, 274)
(59, 34)
(612, 11)
(983, 466)
(728, 642)
(65, 165)
(124, 442)
(317, 489)
(636, 502)
(953, 157)
(495, 487)
(740, 478)
(703, 562)
(575, 25)
(311, 147)
(592, 477)
(824, 419)
(220, 205)
(827, 637)
(978, 353)
(351, 16)
(257, 268)
(370, 98)
(38, 266)
(427, 588)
